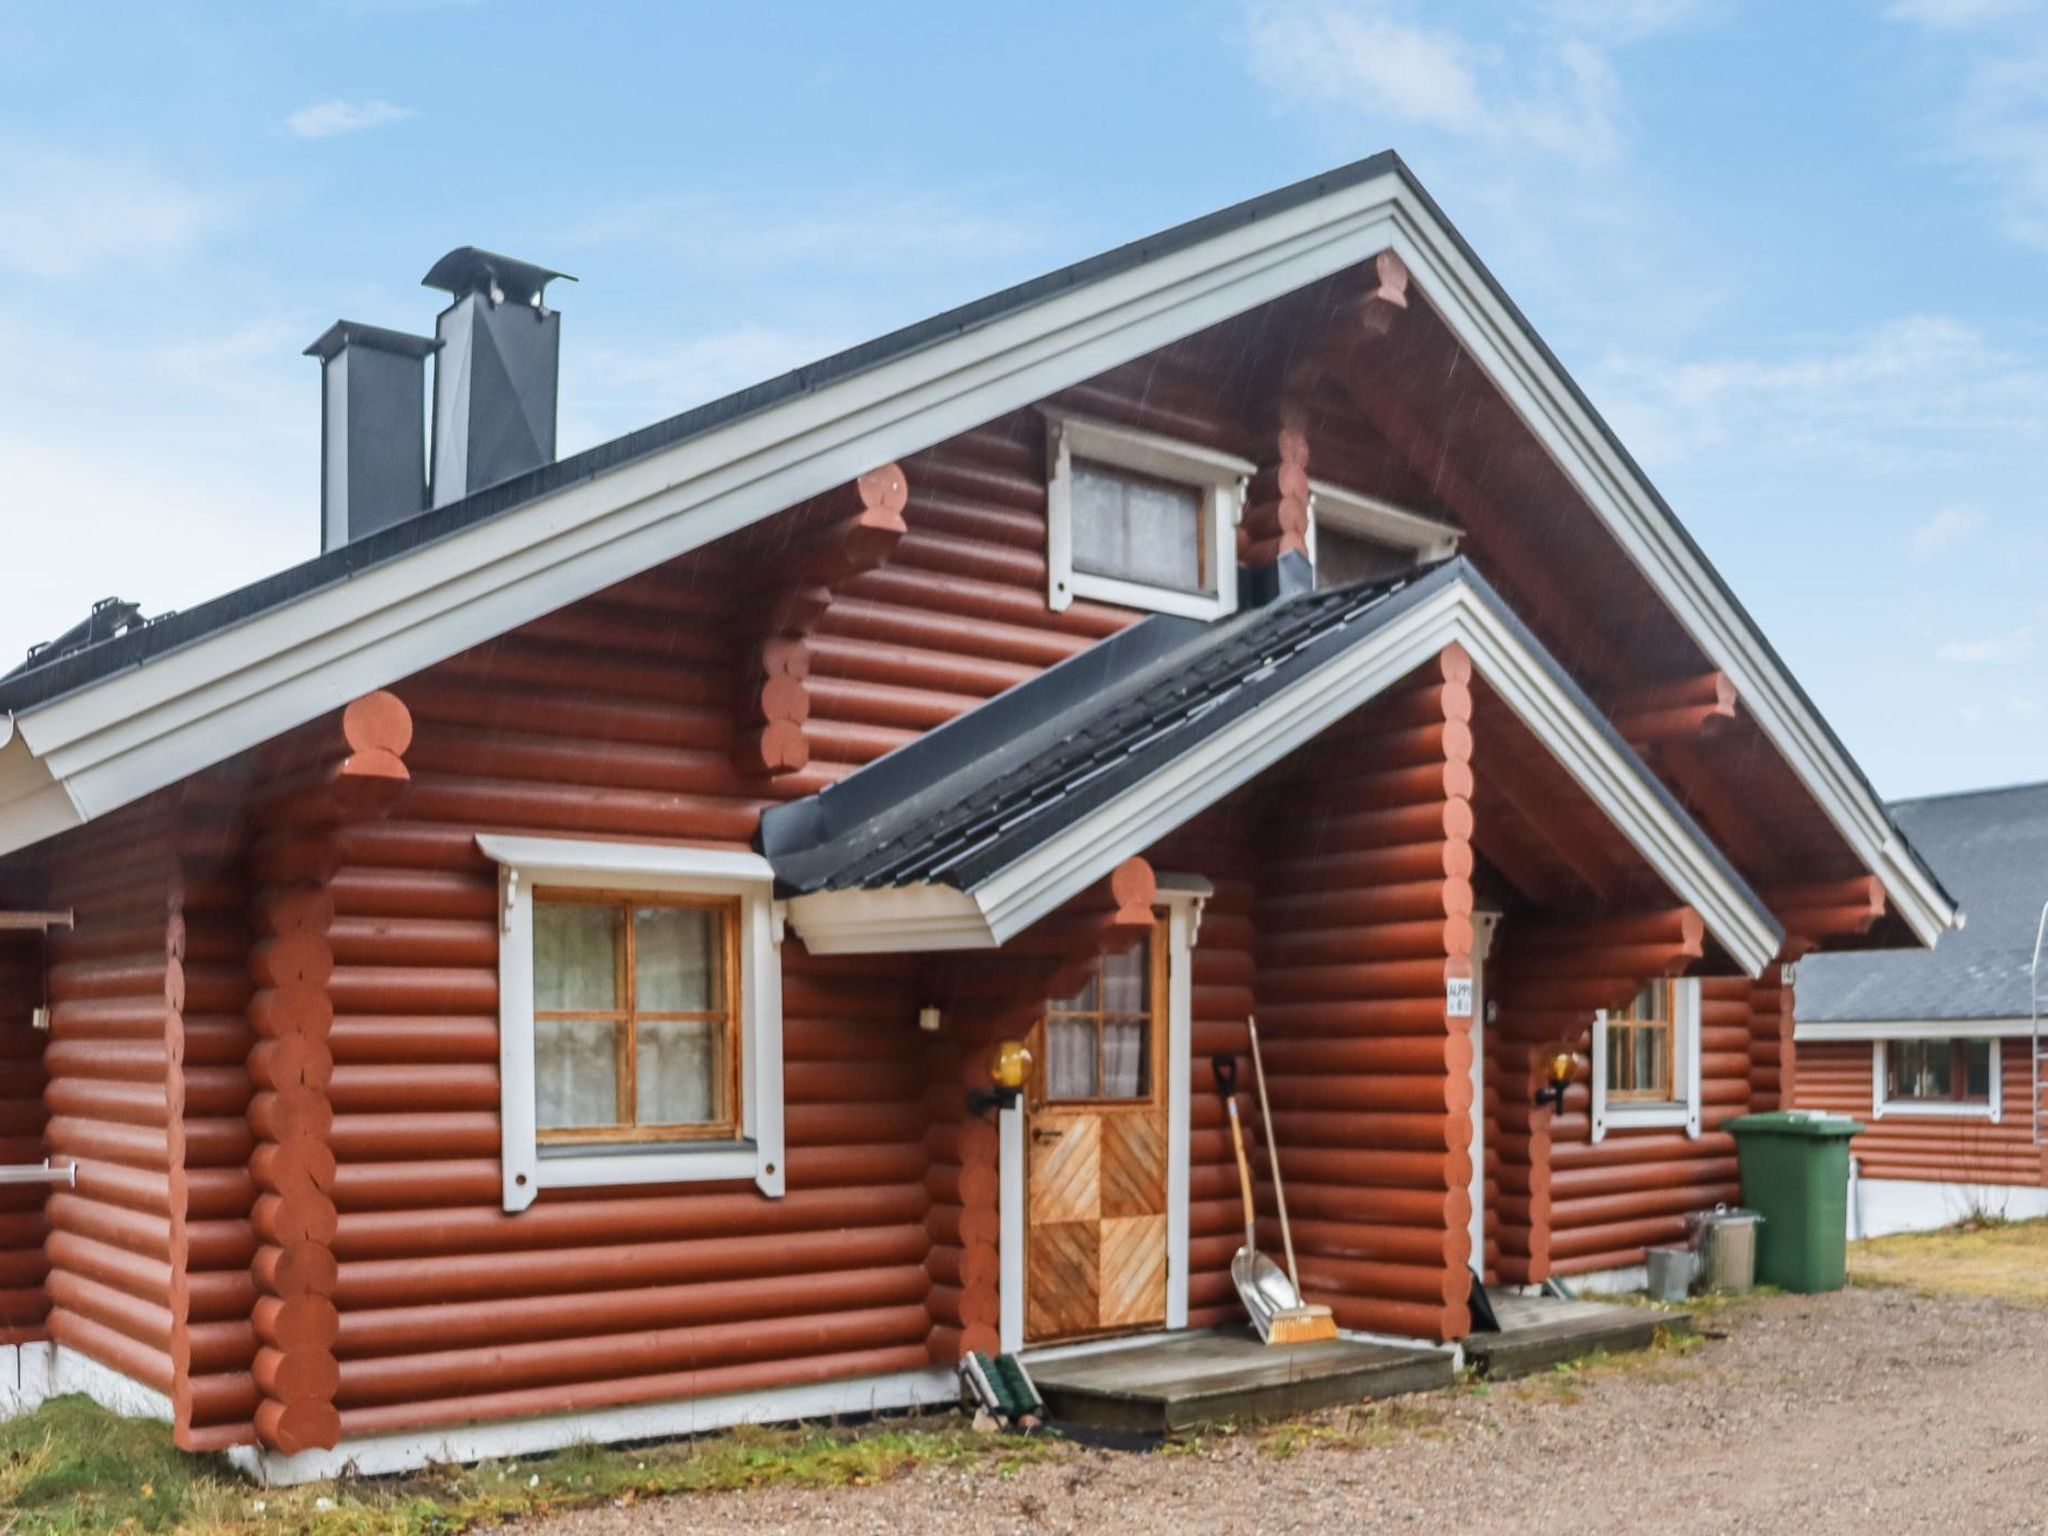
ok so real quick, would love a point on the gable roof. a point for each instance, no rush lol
(1991, 848)
(975, 830)
(97, 729)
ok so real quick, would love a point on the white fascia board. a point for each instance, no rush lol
(1911, 1029)
(1136, 820)
(135, 732)
(889, 920)
(582, 862)
(129, 734)
(1624, 502)
(1355, 512)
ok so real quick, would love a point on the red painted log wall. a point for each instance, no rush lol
(1364, 911)
(1836, 1075)
(23, 1297)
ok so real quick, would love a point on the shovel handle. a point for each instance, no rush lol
(1244, 1178)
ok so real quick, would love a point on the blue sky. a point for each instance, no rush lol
(1795, 252)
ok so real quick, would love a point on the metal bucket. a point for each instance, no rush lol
(1728, 1250)
(1671, 1273)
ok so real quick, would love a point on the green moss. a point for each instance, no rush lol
(72, 1469)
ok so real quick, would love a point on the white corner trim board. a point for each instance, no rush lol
(656, 868)
(1681, 1113)
(919, 917)
(460, 1445)
(139, 730)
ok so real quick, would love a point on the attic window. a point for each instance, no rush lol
(1354, 537)
(1139, 520)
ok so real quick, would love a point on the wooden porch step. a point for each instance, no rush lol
(1154, 1386)
(1538, 1332)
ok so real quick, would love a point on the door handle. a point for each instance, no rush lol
(1046, 1135)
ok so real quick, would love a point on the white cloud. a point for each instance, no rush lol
(1549, 83)
(869, 225)
(69, 215)
(1956, 15)
(1981, 649)
(1624, 21)
(609, 389)
(1948, 527)
(329, 119)
(1994, 126)
(1908, 390)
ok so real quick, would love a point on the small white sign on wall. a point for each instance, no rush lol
(1458, 997)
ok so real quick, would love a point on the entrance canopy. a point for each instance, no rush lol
(968, 835)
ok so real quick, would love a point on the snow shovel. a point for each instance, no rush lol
(1268, 1295)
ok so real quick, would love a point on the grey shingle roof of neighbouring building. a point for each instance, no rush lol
(1988, 847)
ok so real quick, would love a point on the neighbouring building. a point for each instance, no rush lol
(529, 973)
(1937, 1051)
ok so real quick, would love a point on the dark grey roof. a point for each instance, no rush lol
(1989, 847)
(962, 803)
(37, 684)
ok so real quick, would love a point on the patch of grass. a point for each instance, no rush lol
(71, 1469)
(2005, 1260)
(1361, 1425)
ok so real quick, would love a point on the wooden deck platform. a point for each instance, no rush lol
(1538, 1332)
(1156, 1385)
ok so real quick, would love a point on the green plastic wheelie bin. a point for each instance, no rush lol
(1795, 1174)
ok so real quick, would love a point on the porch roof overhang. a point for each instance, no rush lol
(968, 835)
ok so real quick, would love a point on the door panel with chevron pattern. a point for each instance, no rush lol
(1096, 1170)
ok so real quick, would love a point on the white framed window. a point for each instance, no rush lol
(1953, 1078)
(639, 1016)
(1140, 520)
(1355, 537)
(1646, 1061)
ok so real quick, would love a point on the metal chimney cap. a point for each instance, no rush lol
(469, 269)
(353, 333)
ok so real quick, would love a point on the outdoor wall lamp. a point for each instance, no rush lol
(1558, 1071)
(1008, 1067)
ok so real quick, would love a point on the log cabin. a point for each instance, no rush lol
(531, 973)
(1936, 1051)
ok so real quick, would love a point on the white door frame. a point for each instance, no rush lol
(1182, 896)
(1483, 926)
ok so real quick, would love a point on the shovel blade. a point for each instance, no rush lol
(1263, 1287)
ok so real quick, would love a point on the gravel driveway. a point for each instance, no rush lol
(1868, 1411)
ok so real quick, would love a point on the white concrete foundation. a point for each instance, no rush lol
(1880, 1207)
(376, 1455)
(31, 1374)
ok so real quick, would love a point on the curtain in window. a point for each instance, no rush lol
(679, 1074)
(1137, 529)
(1069, 1058)
(576, 1072)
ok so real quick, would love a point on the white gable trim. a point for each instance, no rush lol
(854, 921)
(137, 731)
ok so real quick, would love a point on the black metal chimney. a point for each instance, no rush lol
(373, 456)
(496, 372)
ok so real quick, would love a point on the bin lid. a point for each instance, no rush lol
(1815, 1123)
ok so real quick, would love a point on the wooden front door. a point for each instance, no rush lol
(1096, 1172)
